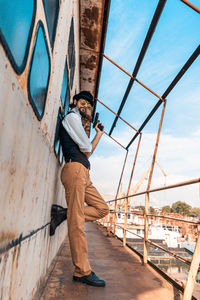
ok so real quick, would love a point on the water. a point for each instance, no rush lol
(171, 266)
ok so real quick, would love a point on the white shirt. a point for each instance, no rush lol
(73, 125)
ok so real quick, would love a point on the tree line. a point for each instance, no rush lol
(182, 208)
(179, 207)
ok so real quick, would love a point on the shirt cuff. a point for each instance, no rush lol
(86, 149)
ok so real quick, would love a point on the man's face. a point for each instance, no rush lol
(83, 105)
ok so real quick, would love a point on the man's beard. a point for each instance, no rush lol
(82, 113)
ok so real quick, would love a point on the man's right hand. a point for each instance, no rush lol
(96, 139)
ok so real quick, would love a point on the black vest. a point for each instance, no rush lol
(71, 149)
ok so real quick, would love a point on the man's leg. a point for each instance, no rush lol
(74, 180)
(96, 206)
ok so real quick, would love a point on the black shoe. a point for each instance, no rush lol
(90, 279)
(58, 215)
(57, 209)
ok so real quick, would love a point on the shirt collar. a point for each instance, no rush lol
(76, 110)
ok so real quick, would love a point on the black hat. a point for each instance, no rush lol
(84, 95)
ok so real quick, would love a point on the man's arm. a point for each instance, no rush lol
(96, 140)
(73, 125)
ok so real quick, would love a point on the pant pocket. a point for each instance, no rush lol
(70, 173)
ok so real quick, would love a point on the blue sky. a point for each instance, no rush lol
(175, 39)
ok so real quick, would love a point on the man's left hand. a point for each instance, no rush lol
(98, 130)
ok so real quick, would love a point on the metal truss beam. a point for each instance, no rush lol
(191, 5)
(146, 43)
(168, 90)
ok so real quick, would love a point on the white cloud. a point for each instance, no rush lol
(178, 156)
(179, 147)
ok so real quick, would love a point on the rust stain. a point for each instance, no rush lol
(6, 66)
(13, 86)
(45, 128)
(91, 37)
(91, 15)
(12, 272)
(90, 63)
(23, 80)
(91, 30)
(18, 253)
(14, 256)
(3, 272)
(12, 170)
(22, 193)
(7, 236)
(90, 27)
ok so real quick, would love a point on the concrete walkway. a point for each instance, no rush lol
(126, 278)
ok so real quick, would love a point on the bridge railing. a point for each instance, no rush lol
(111, 223)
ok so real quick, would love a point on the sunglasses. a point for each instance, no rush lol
(85, 102)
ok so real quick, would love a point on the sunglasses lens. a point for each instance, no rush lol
(84, 102)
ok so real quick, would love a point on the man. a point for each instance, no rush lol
(78, 186)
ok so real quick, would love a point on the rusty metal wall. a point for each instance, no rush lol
(91, 20)
(29, 170)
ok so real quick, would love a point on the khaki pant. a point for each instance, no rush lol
(79, 189)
